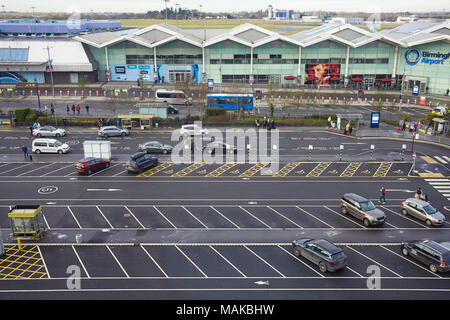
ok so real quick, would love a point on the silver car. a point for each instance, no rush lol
(422, 210)
(48, 131)
(111, 131)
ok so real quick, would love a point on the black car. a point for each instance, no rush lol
(225, 148)
(320, 252)
(155, 147)
(140, 162)
(435, 255)
(172, 110)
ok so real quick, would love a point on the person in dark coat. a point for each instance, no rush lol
(87, 109)
(25, 151)
(73, 109)
(67, 109)
(273, 124)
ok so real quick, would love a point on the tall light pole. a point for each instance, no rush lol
(50, 64)
(166, 7)
(177, 8)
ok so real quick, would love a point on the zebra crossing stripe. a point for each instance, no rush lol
(440, 159)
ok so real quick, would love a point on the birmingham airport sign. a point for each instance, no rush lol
(413, 57)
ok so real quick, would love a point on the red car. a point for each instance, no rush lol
(89, 165)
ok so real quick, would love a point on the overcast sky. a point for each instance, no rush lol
(228, 6)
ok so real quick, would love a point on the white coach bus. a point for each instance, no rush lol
(171, 96)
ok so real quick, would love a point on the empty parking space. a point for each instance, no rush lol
(180, 217)
(246, 261)
(58, 259)
(151, 217)
(210, 217)
(173, 261)
(240, 217)
(301, 217)
(99, 262)
(90, 217)
(14, 169)
(332, 217)
(120, 217)
(270, 217)
(61, 171)
(136, 261)
(60, 217)
(360, 263)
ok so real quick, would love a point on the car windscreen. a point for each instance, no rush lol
(367, 206)
(50, 128)
(58, 143)
(338, 256)
(429, 209)
(131, 163)
(79, 164)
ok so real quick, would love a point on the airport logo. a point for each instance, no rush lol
(413, 56)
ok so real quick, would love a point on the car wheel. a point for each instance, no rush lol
(322, 267)
(297, 252)
(89, 172)
(60, 151)
(37, 151)
(123, 134)
(433, 268)
(404, 212)
(39, 135)
(165, 151)
(107, 165)
(344, 210)
(366, 222)
(58, 135)
(428, 222)
(405, 251)
(105, 136)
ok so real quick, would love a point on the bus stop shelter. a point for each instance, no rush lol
(354, 119)
(440, 125)
(27, 221)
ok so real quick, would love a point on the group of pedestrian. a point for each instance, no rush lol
(348, 129)
(77, 108)
(266, 124)
(102, 122)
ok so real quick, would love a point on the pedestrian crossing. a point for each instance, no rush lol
(442, 159)
(441, 185)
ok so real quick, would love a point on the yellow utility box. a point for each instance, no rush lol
(27, 221)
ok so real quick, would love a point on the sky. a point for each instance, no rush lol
(371, 6)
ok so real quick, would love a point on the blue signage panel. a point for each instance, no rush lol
(375, 120)
(415, 91)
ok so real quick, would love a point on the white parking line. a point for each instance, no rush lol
(81, 262)
(115, 175)
(70, 174)
(400, 215)
(103, 170)
(43, 261)
(15, 168)
(376, 262)
(70, 165)
(143, 227)
(314, 216)
(284, 217)
(224, 217)
(76, 220)
(265, 262)
(45, 221)
(299, 260)
(204, 274)
(345, 217)
(354, 271)
(115, 258)
(154, 261)
(411, 261)
(154, 207)
(227, 261)
(34, 169)
(195, 217)
(104, 217)
(255, 217)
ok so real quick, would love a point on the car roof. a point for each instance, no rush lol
(328, 246)
(355, 197)
(88, 159)
(44, 139)
(436, 246)
(418, 201)
(108, 127)
(138, 155)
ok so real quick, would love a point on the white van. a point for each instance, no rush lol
(172, 97)
(49, 146)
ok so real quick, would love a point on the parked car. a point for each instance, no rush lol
(140, 162)
(211, 147)
(89, 165)
(45, 145)
(434, 255)
(155, 147)
(111, 131)
(320, 252)
(362, 209)
(440, 111)
(193, 130)
(422, 210)
(48, 131)
(172, 110)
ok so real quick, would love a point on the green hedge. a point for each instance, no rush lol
(20, 114)
(32, 116)
(213, 112)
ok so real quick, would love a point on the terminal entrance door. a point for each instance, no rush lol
(177, 76)
(422, 85)
(369, 82)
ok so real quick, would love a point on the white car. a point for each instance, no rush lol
(49, 146)
(193, 130)
(48, 131)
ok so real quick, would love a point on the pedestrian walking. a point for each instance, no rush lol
(78, 109)
(404, 126)
(383, 195)
(329, 123)
(257, 123)
(73, 109)
(65, 122)
(448, 90)
(31, 130)
(68, 109)
(264, 123)
(35, 125)
(25, 151)
(87, 109)
(52, 109)
(273, 124)
(347, 129)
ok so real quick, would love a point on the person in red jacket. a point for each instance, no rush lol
(383, 195)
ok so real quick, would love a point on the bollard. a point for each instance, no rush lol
(387, 101)
(39, 93)
(68, 93)
(329, 99)
(141, 95)
(90, 93)
(310, 148)
(359, 100)
(45, 92)
(60, 92)
(82, 93)
(97, 93)
(19, 244)
(415, 102)
(75, 93)
(79, 238)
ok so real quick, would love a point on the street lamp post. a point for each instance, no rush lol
(50, 64)
(37, 93)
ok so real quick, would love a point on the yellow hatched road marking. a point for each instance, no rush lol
(317, 171)
(287, 169)
(189, 169)
(383, 169)
(253, 170)
(351, 169)
(428, 159)
(28, 255)
(156, 169)
(220, 170)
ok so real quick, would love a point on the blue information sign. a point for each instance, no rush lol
(375, 120)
